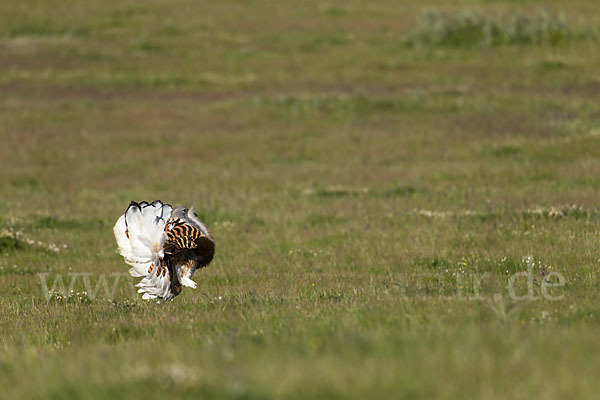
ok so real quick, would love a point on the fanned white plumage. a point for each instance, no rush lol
(151, 239)
(140, 235)
(155, 285)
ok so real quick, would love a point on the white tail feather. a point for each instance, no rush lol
(134, 272)
(140, 234)
(122, 239)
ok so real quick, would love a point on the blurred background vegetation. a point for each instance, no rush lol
(362, 166)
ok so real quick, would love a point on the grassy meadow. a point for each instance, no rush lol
(375, 175)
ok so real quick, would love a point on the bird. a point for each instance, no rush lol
(164, 246)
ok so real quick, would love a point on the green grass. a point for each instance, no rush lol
(371, 201)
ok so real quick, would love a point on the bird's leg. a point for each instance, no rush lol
(175, 286)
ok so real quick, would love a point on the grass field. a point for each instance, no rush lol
(375, 181)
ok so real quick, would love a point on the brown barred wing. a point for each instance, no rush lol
(180, 236)
(185, 242)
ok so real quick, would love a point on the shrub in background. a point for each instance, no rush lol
(471, 28)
